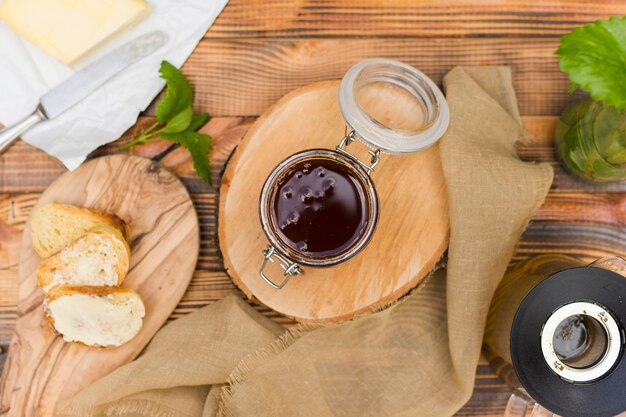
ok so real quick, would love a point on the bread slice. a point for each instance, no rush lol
(100, 257)
(54, 226)
(95, 316)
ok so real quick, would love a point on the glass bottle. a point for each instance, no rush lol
(591, 140)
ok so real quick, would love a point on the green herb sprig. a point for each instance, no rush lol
(594, 56)
(176, 121)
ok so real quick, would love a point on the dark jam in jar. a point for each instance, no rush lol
(320, 207)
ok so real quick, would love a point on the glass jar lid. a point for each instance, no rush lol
(380, 134)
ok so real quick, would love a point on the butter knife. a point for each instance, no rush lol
(84, 82)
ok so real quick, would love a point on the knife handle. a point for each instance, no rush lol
(9, 134)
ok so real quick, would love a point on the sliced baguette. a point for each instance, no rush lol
(95, 316)
(100, 257)
(54, 226)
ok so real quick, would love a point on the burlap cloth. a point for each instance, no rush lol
(415, 358)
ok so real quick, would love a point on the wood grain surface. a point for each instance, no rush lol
(245, 77)
(41, 368)
(310, 118)
(406, 18)
(259, 50)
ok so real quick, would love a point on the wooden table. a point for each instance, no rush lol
(259, 50)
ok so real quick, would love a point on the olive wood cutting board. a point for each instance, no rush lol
(412, 231)
(41, 368)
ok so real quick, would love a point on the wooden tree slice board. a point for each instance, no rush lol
(411, 235)
(41, 368)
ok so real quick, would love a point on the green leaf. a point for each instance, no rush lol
(176, 113)
(179, 122)
(178, 95)
(199, 146)
(198, 120)
(594, 56)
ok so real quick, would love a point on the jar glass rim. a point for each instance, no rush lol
(377, 135)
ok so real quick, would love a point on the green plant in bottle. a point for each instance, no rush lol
(591, 132)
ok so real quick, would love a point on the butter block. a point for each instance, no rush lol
(69, 29)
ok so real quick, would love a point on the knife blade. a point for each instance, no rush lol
(84, 82)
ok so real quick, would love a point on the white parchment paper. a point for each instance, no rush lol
(26, 73)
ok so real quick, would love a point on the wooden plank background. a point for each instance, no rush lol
(259, 50)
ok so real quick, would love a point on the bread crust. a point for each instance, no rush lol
(39, 224)
(90, 290)
(50, 264)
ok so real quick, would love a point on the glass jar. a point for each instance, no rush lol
(555, 334)
(591, 140)
(319, 207)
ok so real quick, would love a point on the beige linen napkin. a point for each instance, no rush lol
(415, 358)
